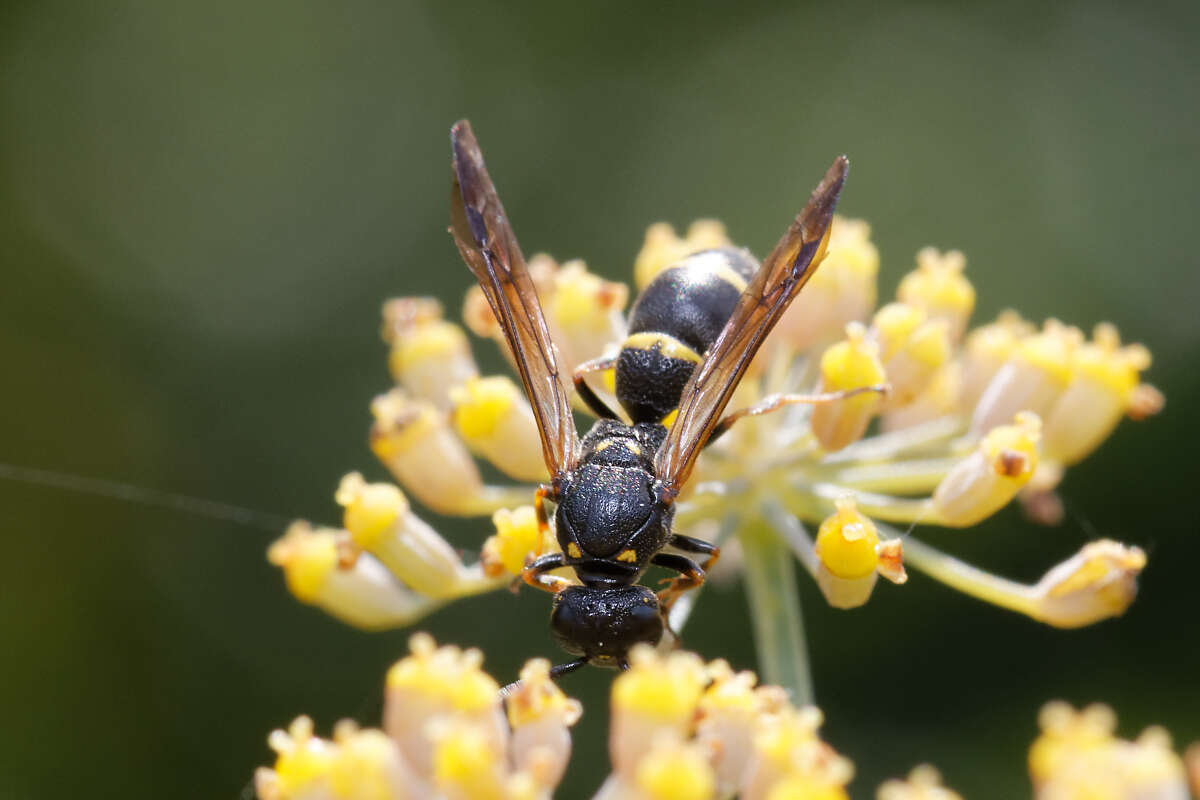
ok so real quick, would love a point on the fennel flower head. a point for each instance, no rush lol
(679, 729)
(909, 415)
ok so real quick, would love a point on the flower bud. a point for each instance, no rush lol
(584, 313)
(842, 290)
(983, 482)
(656, 695)
(477, 313)
(540, 716)
(912, 348)
(939, 287)
(467, 763)
(1105, 378)
(516, 540)
(322, 568)
(428, 355)
(849, 553)
(416, 444)
(987, 349)
(923, 783)
(674, 770)
(1032, 379)
(380, 522)
(793, 764)
(303, 764)
(367, 765)
(730, 709)
(493, 417)
(940, 398)
(1098, 582)
(1078, 755)
(441, 683)
(662, 247)
(849, 364)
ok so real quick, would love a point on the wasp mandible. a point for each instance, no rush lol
(614, 491)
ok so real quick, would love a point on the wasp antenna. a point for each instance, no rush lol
(508, 691)
(563, 669)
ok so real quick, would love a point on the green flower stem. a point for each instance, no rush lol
(770, 576)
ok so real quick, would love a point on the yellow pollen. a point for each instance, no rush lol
(537, 697)
(307, 557)
(663, 247)
(370, 508)
(851, 257)
(673, 770)
(1052, 350)
(400, 423)
(303, 760)
(516, 539)
(847, 541)
(582, 298)
(894, 324)
(852, 363)
(938, 283)
(665, 687)
(481, 404)
(451, 675)
(429, 341)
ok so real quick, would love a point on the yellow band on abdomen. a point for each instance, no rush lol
(666, 344)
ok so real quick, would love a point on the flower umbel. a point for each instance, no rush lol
(681, 729)
(971, 419)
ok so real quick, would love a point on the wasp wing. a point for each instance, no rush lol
(781, 276)
(487, 243)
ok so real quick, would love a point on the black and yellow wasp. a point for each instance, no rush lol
(693, 335)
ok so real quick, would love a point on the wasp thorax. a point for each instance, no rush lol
(603, 624)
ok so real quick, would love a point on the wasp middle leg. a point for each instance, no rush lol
(585, 392)
(775, 402)
(692, 575)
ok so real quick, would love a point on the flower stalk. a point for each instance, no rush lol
(770, 578)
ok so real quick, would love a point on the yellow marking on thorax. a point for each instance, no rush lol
(573, 550)
(669, 419)
(666, 344)
(607, 443)
(628, 556)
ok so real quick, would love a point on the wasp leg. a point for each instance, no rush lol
(691, 576)
(535, 573)
(775, 402)
(598, 406)
(692, 545)
(539, 511)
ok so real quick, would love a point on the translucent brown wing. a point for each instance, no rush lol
(488, 245)
(773, 287)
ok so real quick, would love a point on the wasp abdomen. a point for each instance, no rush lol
(675, 320)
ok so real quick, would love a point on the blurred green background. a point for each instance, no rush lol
(204, 204)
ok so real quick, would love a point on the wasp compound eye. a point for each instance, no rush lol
(603, 624)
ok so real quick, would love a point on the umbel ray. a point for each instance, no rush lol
(694, 331)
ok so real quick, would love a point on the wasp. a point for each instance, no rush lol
(694, 331)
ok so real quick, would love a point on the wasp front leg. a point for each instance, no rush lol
(535, 573)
